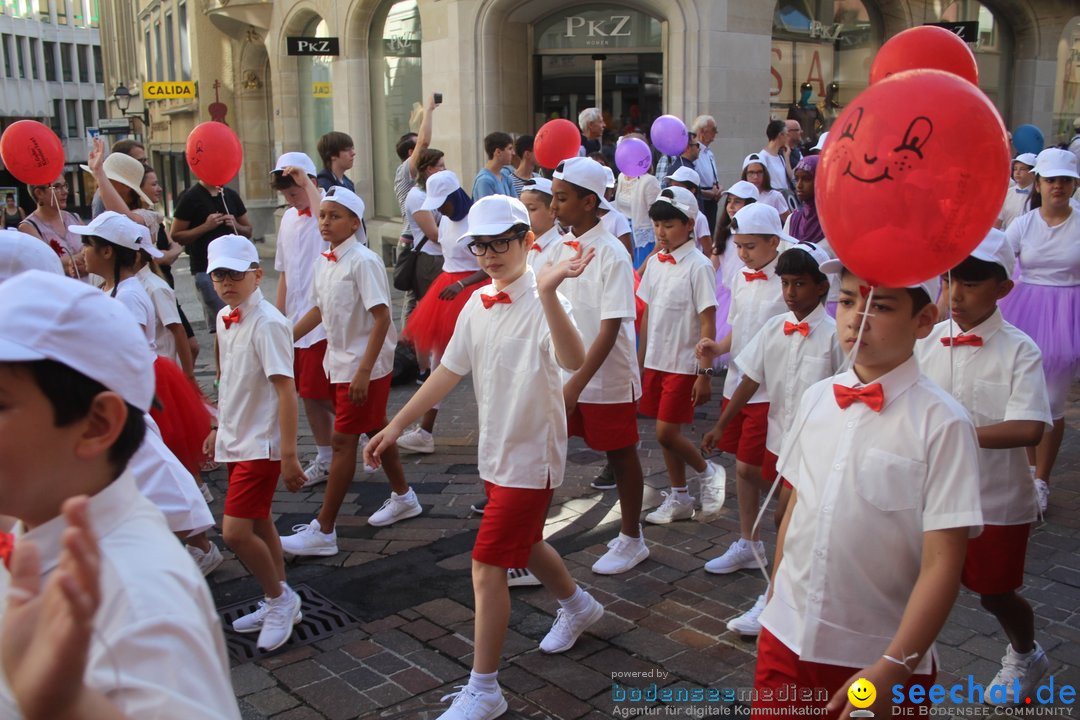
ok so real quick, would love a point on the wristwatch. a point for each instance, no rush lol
(707, 371)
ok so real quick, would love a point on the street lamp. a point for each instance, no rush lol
(122, 97)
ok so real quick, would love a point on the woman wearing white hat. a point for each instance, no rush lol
(1045, 303)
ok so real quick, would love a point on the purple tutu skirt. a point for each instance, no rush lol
(1050, 315)
(723, 307)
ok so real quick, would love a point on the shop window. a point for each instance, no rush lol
(315, 91)
(990, 46)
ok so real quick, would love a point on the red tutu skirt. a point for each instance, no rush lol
(183, 418)
(432, 322)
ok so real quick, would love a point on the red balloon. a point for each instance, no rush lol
(214, 153)
(912, 177)
(925, 47)
(32, 152)
(555, 141)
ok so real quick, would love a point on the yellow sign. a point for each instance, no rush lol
(166, 90)
(321, 89)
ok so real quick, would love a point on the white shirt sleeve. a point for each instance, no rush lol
(644, 290)
(273, 345)
(952, 488)
(751, 361)
(371, 281)
(703, 287)
(618, 298)
(1028, 399)
(458, 356)
(165, 306)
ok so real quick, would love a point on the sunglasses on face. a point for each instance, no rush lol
(221, 274)
(497, 245)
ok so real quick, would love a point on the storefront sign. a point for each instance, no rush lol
(968, 30)
(322, 89)
(312, 46)
(168, 90)
(597, 26)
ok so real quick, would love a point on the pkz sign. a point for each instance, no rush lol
(611, 26)
(589, 27)
(312, 46)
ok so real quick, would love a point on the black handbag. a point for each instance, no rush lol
(405, 268)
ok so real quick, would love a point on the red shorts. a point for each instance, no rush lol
(768, 467)
(352, 419)
(778, 668)
(604, 427)
(513, 522)
(995, 559)
(252, 484)
(666, 396)
(744, 436)
(312, 383)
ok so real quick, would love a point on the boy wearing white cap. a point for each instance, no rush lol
(601, 396)
(123, 600)
(995, 371)
(536, 197)
(515, 336)
(884, 469)
(256, 433)
(299, 243)
(351, 299)
(688, 178)
(1018, 198)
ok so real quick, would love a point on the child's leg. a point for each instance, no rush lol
(1016, 617)
(200, 541)
(320, 415)
(342, 470)
(252, 550)
(748, 483)
(548, 566)
(492, 615)
(266, 529)
(631, 485)
(427, 423)
(783, 498)
(678, 452)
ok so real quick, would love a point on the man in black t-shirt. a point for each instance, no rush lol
(205, 212)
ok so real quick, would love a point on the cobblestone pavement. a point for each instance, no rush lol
(397, 635)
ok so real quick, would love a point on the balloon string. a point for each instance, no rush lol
(74, 262)
(226, 206)
(952, 337)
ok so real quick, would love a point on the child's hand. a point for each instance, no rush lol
(292, 474)
(711, 439)
(551, 275)
(702, 391)
(570, 397)
(209, 442)
(451, 291)
(707, 350)
(358, 388)
(297, 174)
(384, 439)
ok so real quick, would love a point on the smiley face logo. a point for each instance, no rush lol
(862, 693)
(882, 162)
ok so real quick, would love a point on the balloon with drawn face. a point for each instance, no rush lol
(912, 177)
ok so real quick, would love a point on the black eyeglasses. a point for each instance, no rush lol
(221, 273)
(497, 245)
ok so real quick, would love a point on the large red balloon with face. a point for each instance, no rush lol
(912, 177)
(925, 47)
(214, 153)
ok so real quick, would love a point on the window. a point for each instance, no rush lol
(149, 52)
(65, 62)
(43, 9)
(55, 123)
(72, 118)
(185, 48)
(61, 10)
(88, 113)
(158, 54)
(93, 13)
(97, 65)
(8, 60)
(20, 53)
(84, 63)
(35, 71)
(316, 103)
(101, 111)
(992, 48)
(49, 51)
(170, 48)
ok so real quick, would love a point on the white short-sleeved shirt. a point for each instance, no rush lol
(1001, 380)
(550, 246)
(250, 353)
(518, 385)
(869, 484)
(1015, 205)
(616, 223)
(133, 295)
(155, 609)
(777, 168)
(752, 303)
(1048, 255)
(163, 298)
(789, 364)
(413, 201)
(701, 227)
(605, 290)
(456, 255)
(676, 294)
(299, 243)
(164, 481)
(346, 290)
(776, 199)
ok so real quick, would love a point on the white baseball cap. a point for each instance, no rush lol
(610, 177)
(753, 158)
(1055, 162)
(685, 174)
(759, 219)
(295, 159)
(932, 286)
(52, 317)
(745, 190)
(1026, 158)
(995, 248)
(127, 171)
(347, 198)
(820, 144)
(231, 252)
(538, 184)
(585, 173)
(440, 186)
(681, 199)
(818, 254)
(119, 230)
(20, 252)
(496, 214)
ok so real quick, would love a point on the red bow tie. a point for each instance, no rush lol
(973, 340)
(231, 318)
(7, 546)
(751, 276)
(499, 297)
(801, 328)
(873, 396)
(537, 248)
(664, 257)
(305, 211)
(573, 244)
(329, 256)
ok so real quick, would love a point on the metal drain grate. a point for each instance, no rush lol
(321, 619)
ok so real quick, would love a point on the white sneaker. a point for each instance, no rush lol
(623, 553)
(676, 506)
(208, 561)
(471, 705)
(282, 613)
(310, 540)
(1029, 670)
(713, 487)
(568, 627)
(417, 440)
(207, 495)
(521, 577)
(253, 621)
(1042, 494)
(317, 472)
(747, 623)
(397, 507)
(740, 556)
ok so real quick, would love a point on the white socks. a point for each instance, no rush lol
(484, 682)
(324, 453)
(576, 603)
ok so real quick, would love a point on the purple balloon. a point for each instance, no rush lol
(633, 157)
(669, 135)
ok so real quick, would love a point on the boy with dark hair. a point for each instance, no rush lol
(72, 418)
(338, 154)
(526, 164)
(499, 148)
